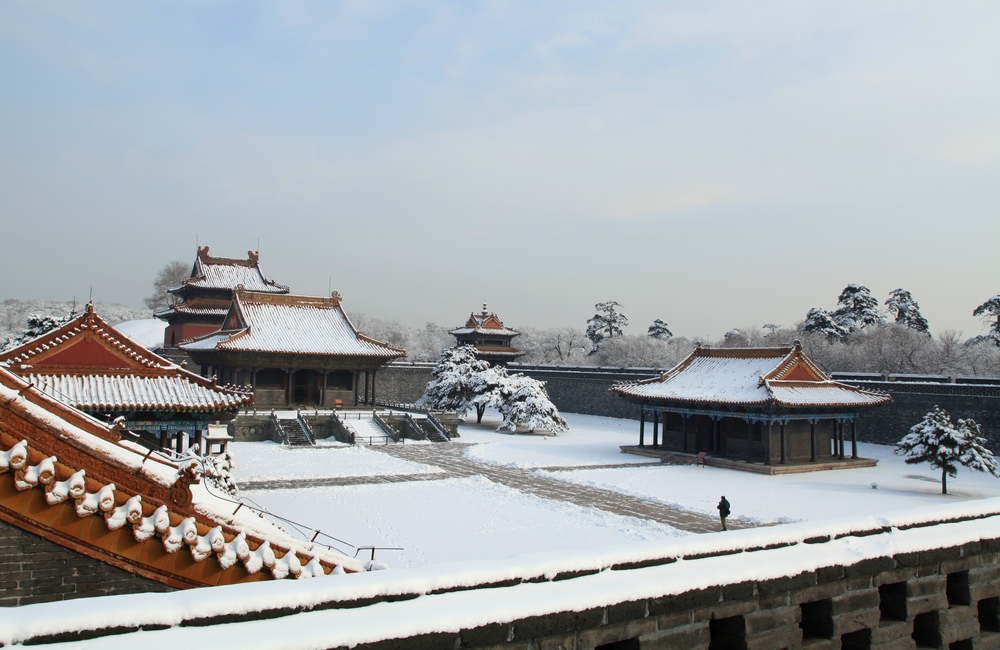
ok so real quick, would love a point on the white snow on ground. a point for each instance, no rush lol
(591, 440)
(452, 520)
(441, 521)
(793, 497)
(259, 461)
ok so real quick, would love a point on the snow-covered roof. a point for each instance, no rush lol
(485, 322)
(84, 469)
(749, 377)
(147, 332)
(290, 324)
(228, 273)
(177, 392)
(197, 305)
(89, 365)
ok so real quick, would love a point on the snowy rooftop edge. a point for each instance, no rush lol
(903, 532)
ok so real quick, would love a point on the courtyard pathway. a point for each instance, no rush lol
(451, 458)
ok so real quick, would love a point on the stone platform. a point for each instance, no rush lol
(796, 467)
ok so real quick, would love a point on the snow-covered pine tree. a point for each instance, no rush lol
(821, 321)
(525, 402)
(906, 310)
(989, 311)
(659, 330)
(450, 388)
(858, 308)
(37, 325)
(487, 388)
(941, 444)
(607, 323)
(771, 329)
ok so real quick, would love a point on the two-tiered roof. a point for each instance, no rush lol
(204, 298)
(491, 338)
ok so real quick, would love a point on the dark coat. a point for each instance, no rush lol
(723, 507)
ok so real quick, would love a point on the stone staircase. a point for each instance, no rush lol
(294, 432)
(431, 432)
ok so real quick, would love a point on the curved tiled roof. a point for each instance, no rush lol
(289, 324)
(228, 273)
(77, 469)
(120, 392)
(749, 377)
(127, 376)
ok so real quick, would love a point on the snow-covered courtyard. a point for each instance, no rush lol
(377, 499)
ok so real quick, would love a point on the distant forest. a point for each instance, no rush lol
(848, 345)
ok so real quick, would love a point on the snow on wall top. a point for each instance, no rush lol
(449, 601)
(294, 325)
(749, 377)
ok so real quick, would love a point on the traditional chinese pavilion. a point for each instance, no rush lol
(104, 507)
(487, 333)
(293, 350)
(760, 405)
(204, 298)
(89, 365)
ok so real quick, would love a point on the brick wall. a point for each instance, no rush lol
(35, 570)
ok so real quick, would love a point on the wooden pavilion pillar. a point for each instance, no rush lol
(840, 438)
(715, 435)
(782, 433)
(289, 378)
(812, 440)
(374, 374)
(356, 377)
(767, 444)
(367, 381)
(854, 437)
(322, 388)
(642, 427)
(684, 431)
(749, 440)
(656, 429)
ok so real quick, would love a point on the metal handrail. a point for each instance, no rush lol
(305, 427)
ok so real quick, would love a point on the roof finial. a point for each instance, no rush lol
(485, 311)
(798, 345)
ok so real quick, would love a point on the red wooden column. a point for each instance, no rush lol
(767, 444)
(656, 429)
(684, 430)
(642, 427)
(854, 438)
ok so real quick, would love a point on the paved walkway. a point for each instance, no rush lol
(451, 458)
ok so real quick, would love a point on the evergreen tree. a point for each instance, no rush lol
(451, 387)
(938, 442)
(989, 311)
(858, 308)
(523, 401)
(771, 328)
(37, 325)
(659, 330)
(821, 321)
(906, 310)
(607, 323)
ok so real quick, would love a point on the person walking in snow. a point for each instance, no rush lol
(723, 511)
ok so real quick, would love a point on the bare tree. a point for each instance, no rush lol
(171, 275)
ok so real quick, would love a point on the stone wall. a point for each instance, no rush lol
(35, 570)
(855, 586)
(911, 401)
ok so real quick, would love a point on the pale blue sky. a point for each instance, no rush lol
(713, 165)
